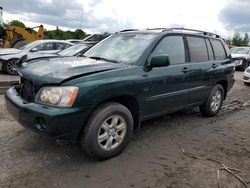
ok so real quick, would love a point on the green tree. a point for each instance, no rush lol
(63, 35)
(17, 23)
(79, 34)
(237, 40)
(245, 40)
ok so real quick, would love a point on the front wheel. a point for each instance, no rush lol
(108, 131)
(11, 66)
(213, 103)
(245, 65)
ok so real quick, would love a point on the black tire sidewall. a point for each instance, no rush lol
(206, 109)
(245, 66)
(89, 137)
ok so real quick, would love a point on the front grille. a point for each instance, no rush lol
(27, 90)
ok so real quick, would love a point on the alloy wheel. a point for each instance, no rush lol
(112, 132)
(12, 67)
(216, 100)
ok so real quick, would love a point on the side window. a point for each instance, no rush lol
(197, 49)
(226, 48)
(173, 46)
(210, 50)
(219, 51)
(46, 46)
(61, 46)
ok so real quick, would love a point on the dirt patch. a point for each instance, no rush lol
(152, 159)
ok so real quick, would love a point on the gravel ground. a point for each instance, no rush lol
(153, 158)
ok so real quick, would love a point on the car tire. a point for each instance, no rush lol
(214, 102)
(244, 65)
(247, 84)
(11, 66)
(108, 131)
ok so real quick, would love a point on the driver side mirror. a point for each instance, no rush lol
(34, 50)
(159, 61)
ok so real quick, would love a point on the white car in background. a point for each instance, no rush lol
(246, 76)
(241, 56)
(9, 61)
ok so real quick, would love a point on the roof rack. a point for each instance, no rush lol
(157, 28)
(195, 31)
(125, 30)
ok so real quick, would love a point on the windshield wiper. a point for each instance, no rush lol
(103, 58)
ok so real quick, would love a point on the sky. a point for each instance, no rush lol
(220, 16)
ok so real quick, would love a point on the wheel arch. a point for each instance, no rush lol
(128, 101)
(224, 84)
(6, 61)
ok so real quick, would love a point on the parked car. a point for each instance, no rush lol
(76, 50)
(75, 41)
(129, 77)
(7, 51)
(246, 76)
(242, 56)
(9, 62)
(95, 38)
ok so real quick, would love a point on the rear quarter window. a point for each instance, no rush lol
(198, 49)
(219, 51)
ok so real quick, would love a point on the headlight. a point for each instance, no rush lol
(57, 96)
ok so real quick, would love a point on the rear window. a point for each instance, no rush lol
(197, 49)
(219, 51)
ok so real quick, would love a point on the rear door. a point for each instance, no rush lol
(165, 88)
(61, 46)
(47, 47)
(205, 62)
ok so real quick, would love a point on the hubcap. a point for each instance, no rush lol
(112, 132)
(216, 100)
(12, 66)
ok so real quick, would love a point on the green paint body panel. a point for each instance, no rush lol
(158, 91)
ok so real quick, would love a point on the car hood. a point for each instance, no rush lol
(13, 56)
(37, 56)
(239, 55)
(7, 51)
(56, 71)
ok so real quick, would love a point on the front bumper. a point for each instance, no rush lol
(246, 77)
(50, 120)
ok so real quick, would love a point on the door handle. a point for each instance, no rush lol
(214, 66)
(185, 70)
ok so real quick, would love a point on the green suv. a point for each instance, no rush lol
(131, 76)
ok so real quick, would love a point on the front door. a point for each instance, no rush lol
(166, 88)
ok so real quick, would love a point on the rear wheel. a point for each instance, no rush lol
(108, 131)
(213, 104)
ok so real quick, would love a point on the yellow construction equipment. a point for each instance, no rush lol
(18, 36)
(15, 36)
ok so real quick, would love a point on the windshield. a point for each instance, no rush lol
(30, 45)
(73, 50)
(125, 48)
(240, 50)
